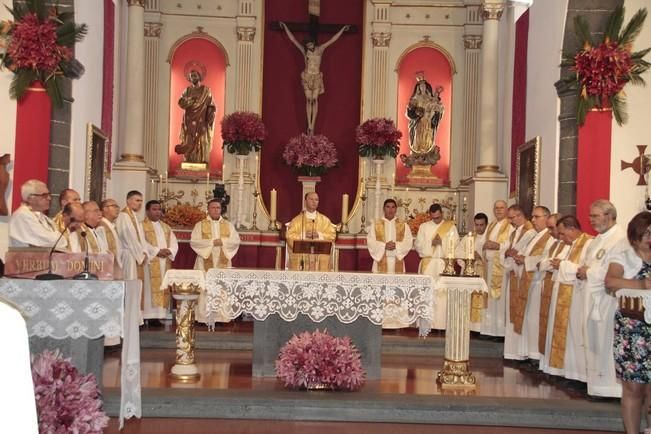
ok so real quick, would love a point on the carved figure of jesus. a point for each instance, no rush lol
(312, 77)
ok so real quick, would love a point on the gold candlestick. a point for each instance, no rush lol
(255, 210)
(469, 269)
(449, 267)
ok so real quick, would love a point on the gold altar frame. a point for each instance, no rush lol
(97, 167)
(527, 175)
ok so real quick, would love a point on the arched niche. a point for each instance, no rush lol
(438, 67)
(207, 53)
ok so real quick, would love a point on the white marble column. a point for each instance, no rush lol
(487, 150)
(152, 42)
(472, 45)
(245, 36)
(380, 68)
(131, 169)
(133, 147)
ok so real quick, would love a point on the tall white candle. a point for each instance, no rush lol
(450, 248)
(272, 206)
(344, 208)
(470, 246)
(167, 184)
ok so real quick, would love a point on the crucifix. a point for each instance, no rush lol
(312, 77)
(640, 165)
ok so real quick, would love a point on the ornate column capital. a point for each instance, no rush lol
(381, 39)
(472, 42)
(152, 30)
(245, 34)
(140, 3)
(492, 11)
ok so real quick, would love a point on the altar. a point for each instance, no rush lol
(285, 303)
(74, 317)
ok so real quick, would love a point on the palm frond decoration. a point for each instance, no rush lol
(600, 71)
(39, 47)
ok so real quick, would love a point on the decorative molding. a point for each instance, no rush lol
(492, 11)
(245, 34)
(140, 3)
(152, 30)
(132, 157)
(472, 42)
(428, 44)
(381, 39)
(200, 34)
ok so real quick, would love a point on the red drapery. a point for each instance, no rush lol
(519, 109)
(33, 114)
(283, 104)
(593, 164)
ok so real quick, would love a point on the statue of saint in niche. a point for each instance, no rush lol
(198, 119)
(425, 111)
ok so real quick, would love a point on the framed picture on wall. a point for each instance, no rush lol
(97, 168)
(527, 172)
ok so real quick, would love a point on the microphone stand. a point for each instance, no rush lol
(50, 275)
(302, 263)
(86, 274)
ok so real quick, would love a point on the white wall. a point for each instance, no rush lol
(7, 139)
(87, 91)
(546, 27)
(625, 194)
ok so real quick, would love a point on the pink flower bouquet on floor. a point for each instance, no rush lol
(319, 360)
(310, 155)
(66, 401)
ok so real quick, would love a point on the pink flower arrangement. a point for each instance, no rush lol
(310, 155)
(377, 138)
(243, 132)
(65, 400)
(320, 360)
(39, 47)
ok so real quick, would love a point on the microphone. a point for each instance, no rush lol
(50, 275)
(86, 274)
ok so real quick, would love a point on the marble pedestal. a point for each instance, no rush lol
(274, 332)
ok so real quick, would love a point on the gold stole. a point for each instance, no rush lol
(513, 278)
(380, 236)
(140, 267)
(110, 240)
(546, 297)
(441, 231)
(58, 222)
(525, 284)
(90, 240)
(563, 304)
(495, 285)
(206, 234)
(159, 296)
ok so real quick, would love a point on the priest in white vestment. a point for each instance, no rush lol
(497, 241)
(158, 234)
(110, 212)
(521, 338)
(135, 251)
(566, 340)
(72, 218)
(478, 233)
(28, 225)
(436, 240)
(558, 250)
(95, 239)
(389, 240)
(66, 196)
(600, 307)
(215, 241)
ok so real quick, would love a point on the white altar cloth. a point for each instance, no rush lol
(61, 309)
(319, 295)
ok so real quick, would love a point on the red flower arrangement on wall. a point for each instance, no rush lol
(602, 70)
(39, 48)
